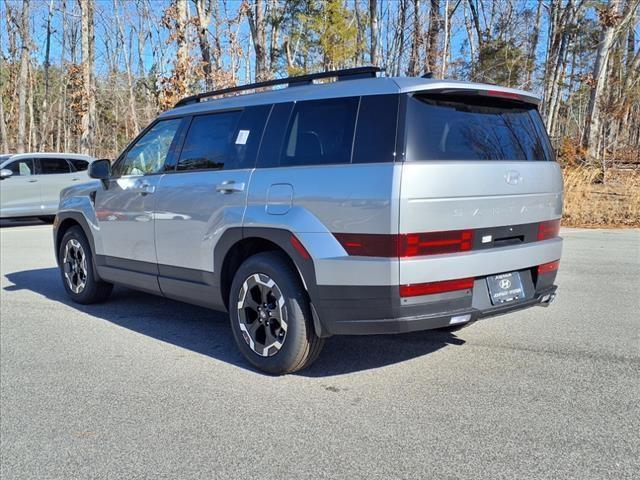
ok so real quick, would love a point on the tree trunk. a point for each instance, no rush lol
(373, 25)
(23, 78)
(413, 68)
(127, 62)
(203, 11)
(88, 119)
(4, 140)
(432, 37)
(593, 122)
(531, 59)
(258, 33)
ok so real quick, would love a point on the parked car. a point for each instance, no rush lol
(30, 183)
(364, 206)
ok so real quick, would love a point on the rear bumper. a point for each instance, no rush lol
(380, 310)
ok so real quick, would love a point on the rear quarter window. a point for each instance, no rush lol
(320, 132)
(440, 127)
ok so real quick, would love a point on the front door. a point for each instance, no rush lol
(124, 209)
(20, 193)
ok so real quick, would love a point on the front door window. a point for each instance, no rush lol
(148, 154)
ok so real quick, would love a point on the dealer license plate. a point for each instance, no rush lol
(504, 288)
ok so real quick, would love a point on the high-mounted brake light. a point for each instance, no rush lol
(501, 94)
(548, 267)
(418, 289)
(549, 229)
(406, 244)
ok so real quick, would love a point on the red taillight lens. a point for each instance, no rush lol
(433, 243)
(548, 267)
(435, 287)
(406, 245)
(369, 244)
(550, 229)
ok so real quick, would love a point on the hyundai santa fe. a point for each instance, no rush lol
(367, 205)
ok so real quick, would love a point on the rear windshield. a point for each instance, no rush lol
(474, 128)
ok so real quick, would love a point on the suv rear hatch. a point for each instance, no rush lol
(476, 161)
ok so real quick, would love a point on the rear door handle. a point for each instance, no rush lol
(32, 180)
(229, 186)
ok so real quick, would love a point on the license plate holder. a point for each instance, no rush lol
(505, 288)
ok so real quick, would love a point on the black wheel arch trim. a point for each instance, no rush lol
(281, 238)
(79, 219)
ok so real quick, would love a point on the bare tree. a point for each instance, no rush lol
(23, 78)
(256, 16)
(88, 120)
(373, 25)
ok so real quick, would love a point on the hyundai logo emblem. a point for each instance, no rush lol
(505, 284)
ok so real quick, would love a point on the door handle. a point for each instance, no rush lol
(229, 186)
(145, 188)
(32, 180)
(75, 179)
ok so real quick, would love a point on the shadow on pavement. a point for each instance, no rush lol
(207, 332)
(21, 222)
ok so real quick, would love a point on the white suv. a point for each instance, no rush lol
(30, 183)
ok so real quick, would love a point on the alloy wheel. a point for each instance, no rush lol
(74, 265)
(262, 315)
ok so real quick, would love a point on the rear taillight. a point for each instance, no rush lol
(548, 267)
(549, 229)
(418, 289)
(433, 243)
(407, 244)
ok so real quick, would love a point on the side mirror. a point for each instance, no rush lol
(100, 169)
(5, 173)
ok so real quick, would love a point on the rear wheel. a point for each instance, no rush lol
(271, 315)
(77, 270)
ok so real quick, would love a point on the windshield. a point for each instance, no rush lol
(442, 127)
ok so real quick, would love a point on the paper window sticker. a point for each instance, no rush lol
(243, 135)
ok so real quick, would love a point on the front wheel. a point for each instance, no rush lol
(76, 268)
(271, 315)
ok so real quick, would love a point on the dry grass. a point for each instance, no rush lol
(588, 202)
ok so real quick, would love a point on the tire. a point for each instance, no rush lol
(77, 270)
(280, 338)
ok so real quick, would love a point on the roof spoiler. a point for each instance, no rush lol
(345, 74)
(515, 95)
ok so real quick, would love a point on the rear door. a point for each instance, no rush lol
(207, 192)
(54, 174)
(20, 193)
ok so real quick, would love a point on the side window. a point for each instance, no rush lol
(148, 154)
(79, 165)
(21, 167)
(249, 135)
(320, 132)
(376, 131)
(51, 166)
(210, 142)
(273, 137)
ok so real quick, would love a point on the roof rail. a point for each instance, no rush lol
(346, 74)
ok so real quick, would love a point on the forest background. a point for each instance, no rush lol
(88, 75)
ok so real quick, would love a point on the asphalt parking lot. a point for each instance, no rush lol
(143, 387)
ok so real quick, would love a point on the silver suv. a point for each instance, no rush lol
(364, 206)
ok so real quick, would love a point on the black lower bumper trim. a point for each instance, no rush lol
(428, 322)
